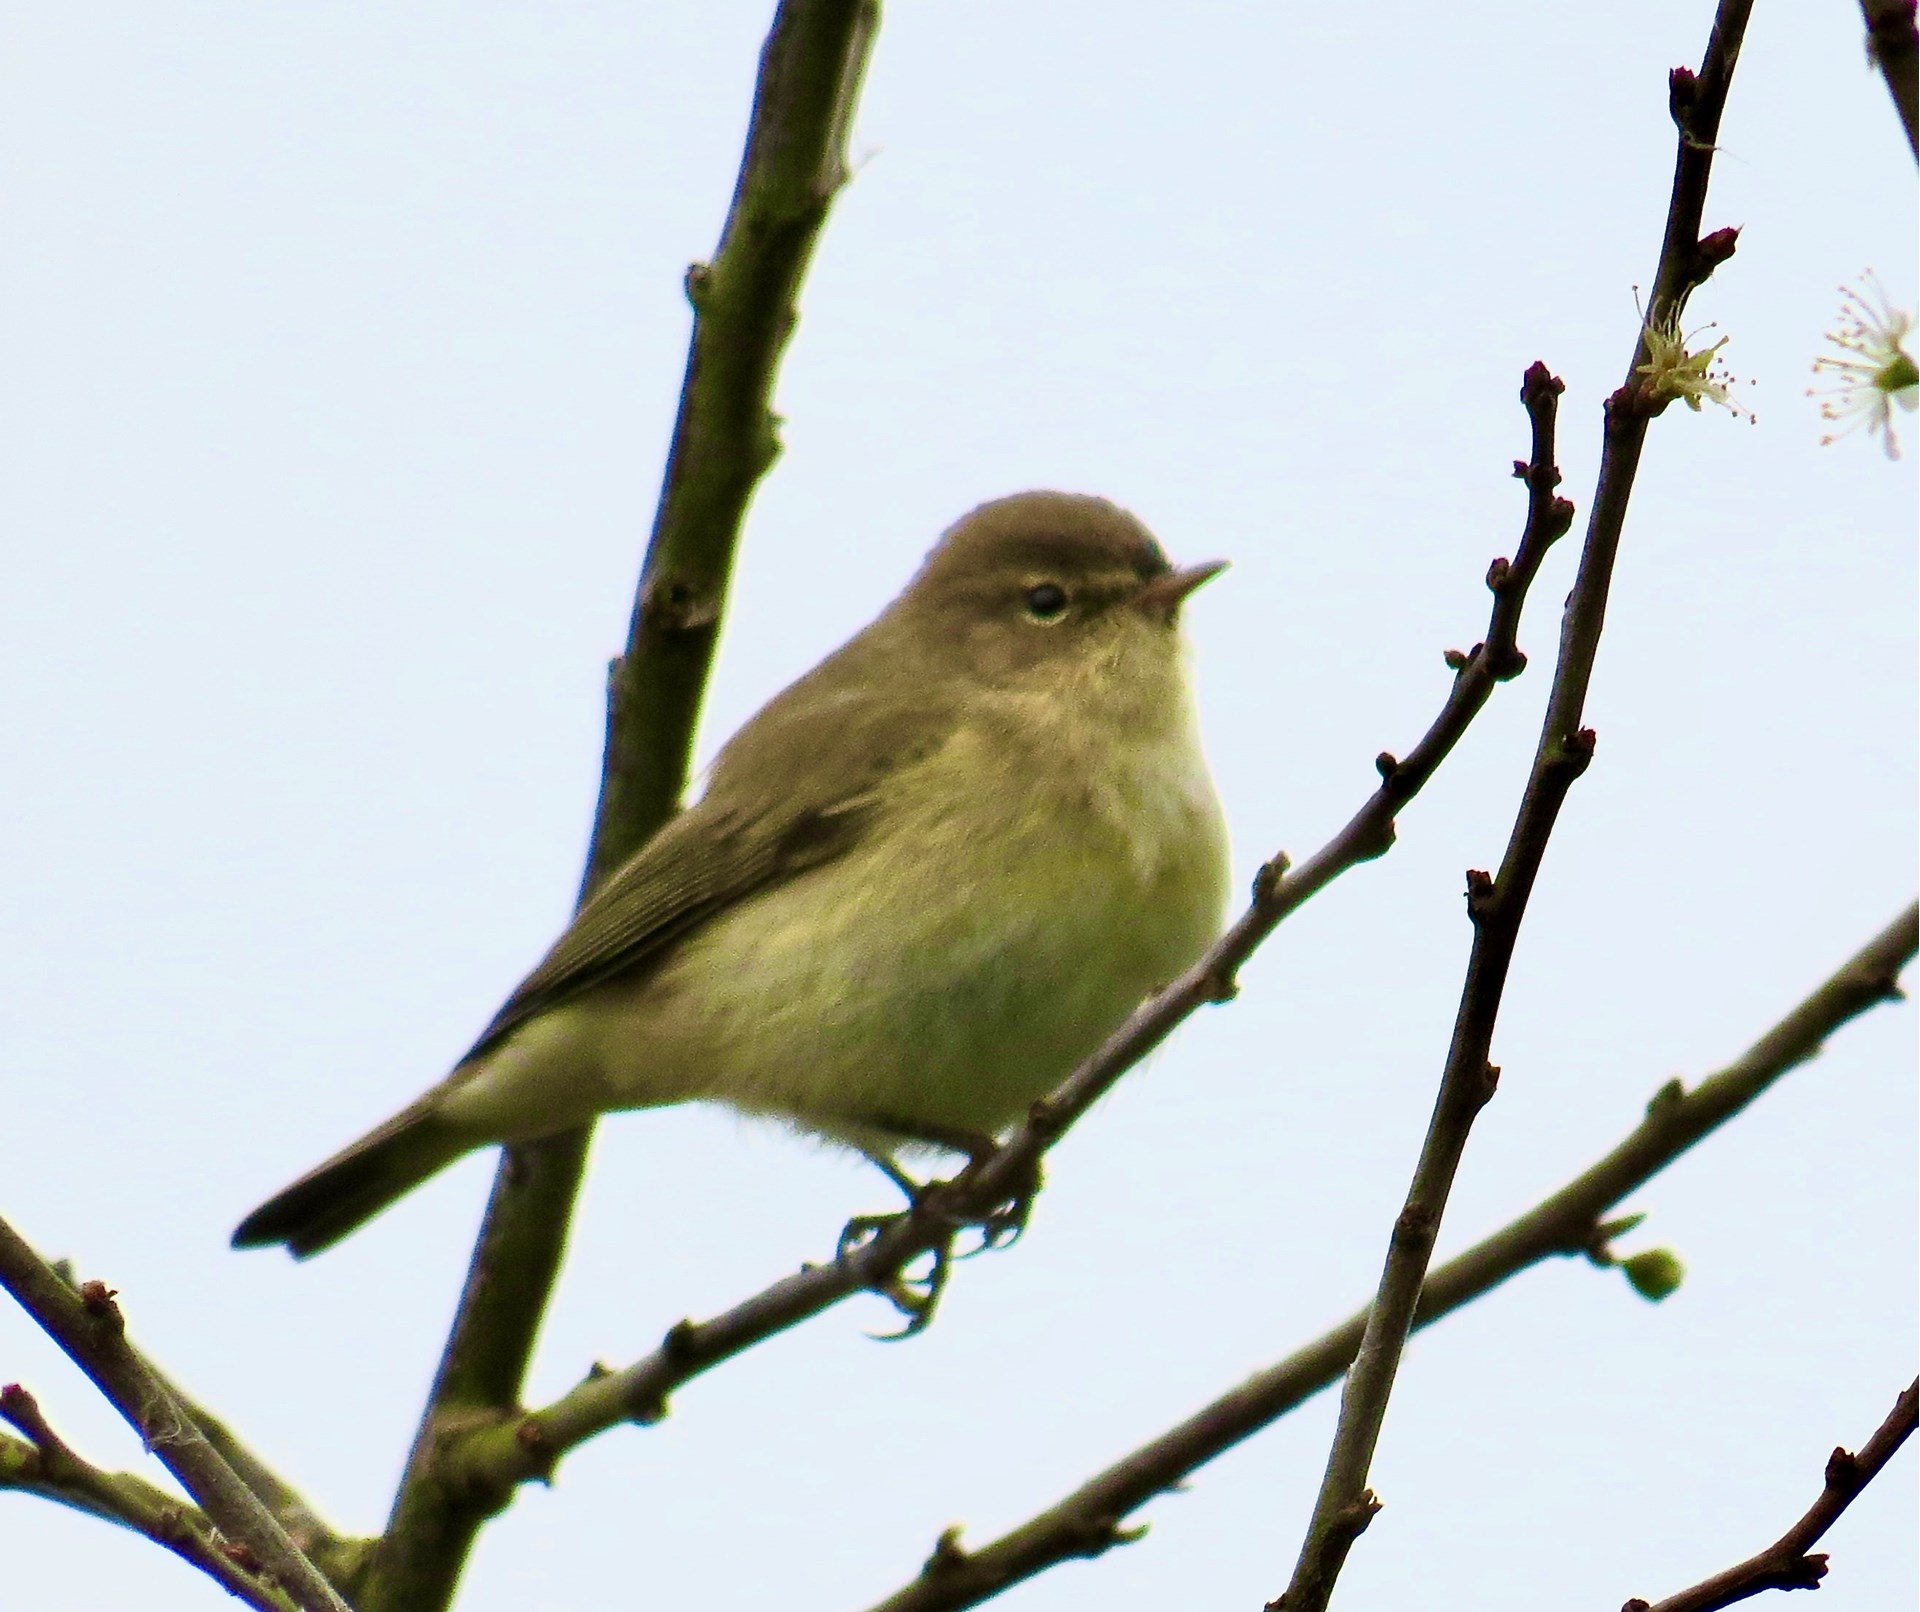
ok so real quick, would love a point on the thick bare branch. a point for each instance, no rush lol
(1892, 44)
(724, 440)
(88, 1325)
(1790, 1562)
(1497, 904)
(1091, 1520)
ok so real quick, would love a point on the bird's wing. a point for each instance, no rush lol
(743, 836)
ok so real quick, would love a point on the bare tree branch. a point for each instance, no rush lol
(724, 440)
(494, 1458)
(338, 1556)
(1496, 904)
(1089, 1521)
(88, 1325)
(45, 1465)
(1892, 44)
(1789, 1562)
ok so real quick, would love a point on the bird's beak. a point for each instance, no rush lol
(1163, 596)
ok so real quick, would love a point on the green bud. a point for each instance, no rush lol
(1656, 1274)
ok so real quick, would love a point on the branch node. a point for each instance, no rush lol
(1096, 1535)
(1666, 1099)
(1538, 385)
(949, 1555)
(1682, 91)
(1508, 666)
(1574, 753)
(677, 1344)
(1715, 249)
(1044, 1120)
(1456, 661)
(1479, 893)
(698, 282)
(1416, 1220)
(530, 1437)
(647, 1409)
(1497, 574)
(96, 1298)
(1386, 764)
(1220, 986)
(673, 605)
(1599, 1244)
(1267, 881)
(1806, 1573)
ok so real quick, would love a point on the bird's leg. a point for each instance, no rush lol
(910, 1189)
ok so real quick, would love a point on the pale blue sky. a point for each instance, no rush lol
(338, 349)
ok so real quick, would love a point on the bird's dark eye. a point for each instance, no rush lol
(1046, 601)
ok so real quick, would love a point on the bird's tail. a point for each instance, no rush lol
(354, 1185)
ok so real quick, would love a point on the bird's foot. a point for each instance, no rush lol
(916, 1294)
(1002, 1225)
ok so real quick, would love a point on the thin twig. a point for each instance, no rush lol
(88, 1325)
(337, 1555)
(724, 440)
(1091, 1520)
(1892, 44)
(46, 1465)
(1790, 1562)
(1497, 904)
(493, 1459)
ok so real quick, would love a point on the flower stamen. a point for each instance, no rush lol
(1873, 371)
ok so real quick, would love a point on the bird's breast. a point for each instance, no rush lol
(1009, 905)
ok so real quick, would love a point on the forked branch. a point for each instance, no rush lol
(1790, 1562)
(1497, 903)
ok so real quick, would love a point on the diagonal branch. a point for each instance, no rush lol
(337, 1555)
(1892, 44)
(1496, 904)
(88, 1325)
(492, 1459)
(724, 440)
(1089, 1521)
(45, 1465)
(1790, 1562)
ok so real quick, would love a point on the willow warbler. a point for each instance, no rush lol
(922, 884)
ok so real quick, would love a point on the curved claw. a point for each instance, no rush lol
(860, 1231)
(917, 1298)
(1006, 1223)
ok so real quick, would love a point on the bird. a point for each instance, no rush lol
(921, 884)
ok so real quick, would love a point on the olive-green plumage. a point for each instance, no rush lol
(923, 882)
